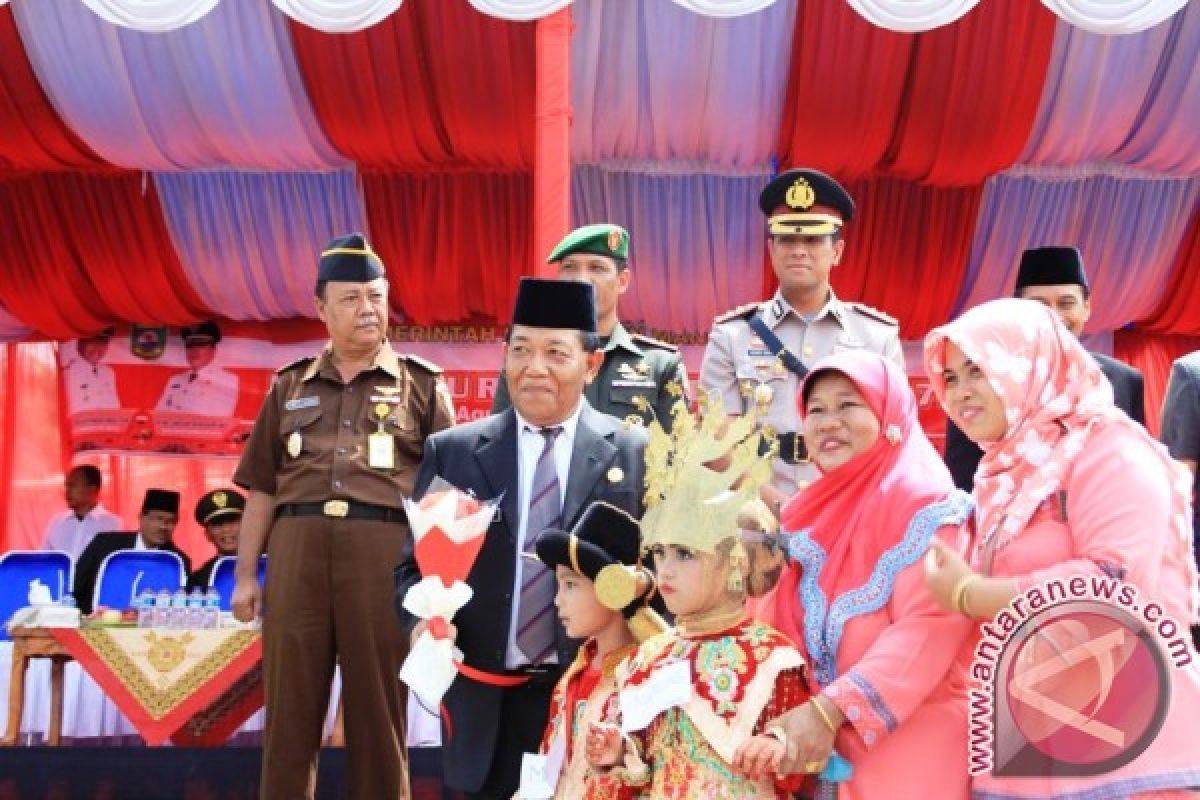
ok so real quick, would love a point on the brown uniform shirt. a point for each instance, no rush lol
(328, 458)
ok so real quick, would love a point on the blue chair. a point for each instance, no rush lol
(19, 567)
(124, 574)
(222, 578)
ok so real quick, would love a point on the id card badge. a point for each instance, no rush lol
(381, 451)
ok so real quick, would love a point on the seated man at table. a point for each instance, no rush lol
(156, 527)
(220, 513)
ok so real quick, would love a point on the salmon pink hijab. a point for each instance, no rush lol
(1054, 397)
(858, 511)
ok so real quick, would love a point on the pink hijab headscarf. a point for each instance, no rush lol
(858, 511)
(1054, 397)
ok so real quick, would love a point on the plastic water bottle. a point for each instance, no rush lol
(212, 609)
(145, 609)
(162, 610)
(195, 615)
(179, 602)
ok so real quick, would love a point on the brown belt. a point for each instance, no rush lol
(341, 509)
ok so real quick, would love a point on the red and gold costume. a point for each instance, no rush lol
(585, 694)
(743, 676)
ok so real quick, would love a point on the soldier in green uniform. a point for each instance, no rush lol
(641, 378)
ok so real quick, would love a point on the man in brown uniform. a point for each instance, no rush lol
(335, 448)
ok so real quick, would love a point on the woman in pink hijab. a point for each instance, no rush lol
(853, 598)
(1075, 504)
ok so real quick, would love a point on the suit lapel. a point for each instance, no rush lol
(496, 453)
(590, 458)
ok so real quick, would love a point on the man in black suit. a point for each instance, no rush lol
(1053, 276)
(156, 526)
(551, 448)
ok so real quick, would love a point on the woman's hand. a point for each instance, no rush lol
(944, 570)
(759, 756)
(809, 739)
(603, 747)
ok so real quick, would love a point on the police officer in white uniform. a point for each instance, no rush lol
(205, 388)
(90, 384)
(758, 354)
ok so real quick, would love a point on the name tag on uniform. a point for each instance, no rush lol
(381, 451)
(633, 384)
(297, 403)
(669, 686)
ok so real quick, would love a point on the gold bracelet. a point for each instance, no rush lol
(824, 715)
(959, 594)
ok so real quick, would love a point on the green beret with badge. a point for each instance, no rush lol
(604, 239)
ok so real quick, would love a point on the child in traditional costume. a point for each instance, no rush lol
(696, 702)
(602, 598)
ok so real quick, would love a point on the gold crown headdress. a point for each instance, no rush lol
(691, 502)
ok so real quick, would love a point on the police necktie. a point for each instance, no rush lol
(535, 623)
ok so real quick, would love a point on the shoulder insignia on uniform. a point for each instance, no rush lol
(740, 312)
(424, 364)
(650, 341)
(299, 362)
(875, 314)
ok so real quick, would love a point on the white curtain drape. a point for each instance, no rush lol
(151, 16)
(519, 9)
(338, 16)
(724, 8)
(908, 16)
(1114, 16)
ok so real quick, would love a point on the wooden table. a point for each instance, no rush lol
(30, 643)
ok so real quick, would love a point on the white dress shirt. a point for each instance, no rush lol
(530, 444)
(89, 387)
(72, 534)
(211, 391)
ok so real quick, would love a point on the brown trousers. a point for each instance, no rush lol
(329, 601)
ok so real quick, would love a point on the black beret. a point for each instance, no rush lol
(160, 500)
(1051, 266)
(349, 259)
(806, 202)
(204, 333)
(218, 504)
(555, 304)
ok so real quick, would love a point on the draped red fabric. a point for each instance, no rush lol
(906, 251)
(31, 447)
(435, 85)
(32, 136)
(947, 107)
(454, 245)
(552, 159)
(1153, 355)
(81, 252)
(1179, 310)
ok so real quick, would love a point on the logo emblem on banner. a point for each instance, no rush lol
(148, 342)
